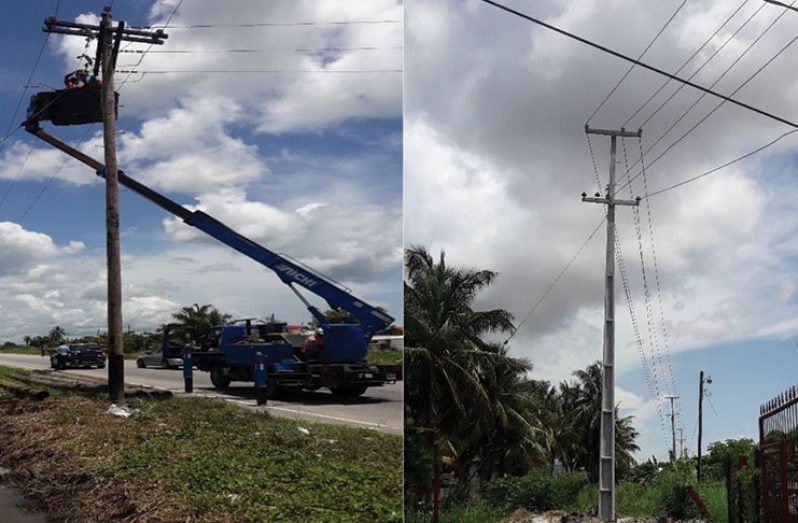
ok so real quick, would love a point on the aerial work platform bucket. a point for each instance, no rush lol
(69, 106)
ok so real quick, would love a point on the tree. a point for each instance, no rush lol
(198, 320)
(585, 407)
(56, 335)
(465, 390)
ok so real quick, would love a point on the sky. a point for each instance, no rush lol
(497, 157)
(303, 159)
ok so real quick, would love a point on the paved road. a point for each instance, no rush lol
(381, 408)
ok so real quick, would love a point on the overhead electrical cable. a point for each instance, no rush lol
(264, 50)
(52, 178)
(720, 167)
(657, 280)
(631, 67)
(264, 71)
(707, 61)
(651, 382)
(141, 58)
(718, 79)
(555, 281)
(653, 338)
(277, 24)
(690, 59)
(640, 64)
(710, 113)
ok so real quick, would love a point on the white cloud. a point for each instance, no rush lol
(496, 159)
(281, 102)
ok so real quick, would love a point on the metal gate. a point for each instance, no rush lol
(778, 445)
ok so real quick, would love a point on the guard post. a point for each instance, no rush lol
(188, 370)
(260, 378)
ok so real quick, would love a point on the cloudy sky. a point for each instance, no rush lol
(496, 158)
(305, 159)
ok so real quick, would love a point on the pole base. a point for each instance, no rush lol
(189, 383)
(261, 396)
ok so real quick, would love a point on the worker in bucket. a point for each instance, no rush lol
(79, 78)
(311, 349)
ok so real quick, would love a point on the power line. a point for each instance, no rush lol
(264, 71)
(721, 167)
(695, 53)
(628, 71)
(555, 281)
(52, 178)
(718, 79)
(653, 246)
(639, 63)
(278, 24)
(709, 59)
(141, 58)
(263, 50)
(703, 119)
(11, 130)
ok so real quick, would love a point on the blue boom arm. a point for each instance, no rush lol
(370, 319)
(337, 297)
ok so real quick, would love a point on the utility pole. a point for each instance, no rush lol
(681, 442)
(607, 444)
(701, 382)
(108, 41)
(673, 428)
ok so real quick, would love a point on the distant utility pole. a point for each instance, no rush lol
(108, 41)
(701, 382)
(681, 442)
(673, 428)
(607, 444)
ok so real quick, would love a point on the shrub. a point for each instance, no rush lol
(538, 490)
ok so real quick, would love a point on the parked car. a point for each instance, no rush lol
(77, 355)
(155, 358)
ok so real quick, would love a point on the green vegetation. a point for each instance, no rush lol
(384, 357)
(12, 348)
(202, 459)
(474, 403)
(475, 415)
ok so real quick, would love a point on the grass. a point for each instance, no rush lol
(384, 357)
(632, 500)
(207, 459)
(20, 349)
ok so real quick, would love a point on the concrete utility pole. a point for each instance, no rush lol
(701, 382)
(673, 428)
(607, 444)
(681, 443)
(108, 41)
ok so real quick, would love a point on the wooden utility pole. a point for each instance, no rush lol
(108, 41)
(673, 428)
(607, 444)
(116, 359)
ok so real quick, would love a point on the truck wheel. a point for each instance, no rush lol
(348, 392)
(219, 378)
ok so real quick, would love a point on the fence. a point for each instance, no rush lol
(778, 446)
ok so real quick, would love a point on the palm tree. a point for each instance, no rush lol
(444, 338)
(198, 320)
(56, 335)
(464, 389)
(587, 415)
